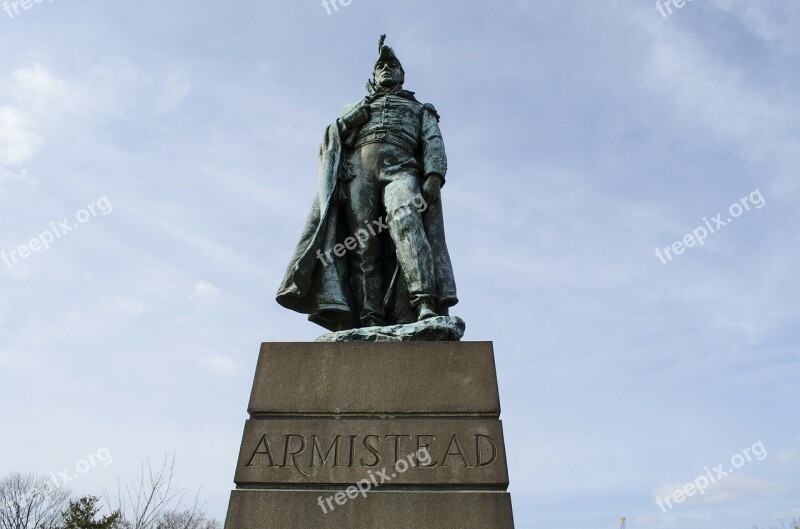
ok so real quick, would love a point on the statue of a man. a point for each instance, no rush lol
(373, 250)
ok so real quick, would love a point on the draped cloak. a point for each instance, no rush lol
(322, 289)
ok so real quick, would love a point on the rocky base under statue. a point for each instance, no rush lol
(438, 329)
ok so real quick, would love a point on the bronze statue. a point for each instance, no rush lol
(373, 249)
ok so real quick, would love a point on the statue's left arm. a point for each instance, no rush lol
(434, 160)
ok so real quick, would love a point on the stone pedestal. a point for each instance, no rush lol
(373, 435)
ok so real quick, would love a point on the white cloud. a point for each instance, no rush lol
(774, 22)
(219, 364)
(117, 89)
(123, 309)
(646, 520)
(175, 88)
(784, 457)
(714, 101)
(14, 359)
(708, 92)
(204, 293)
(788, 515)
(19, 174)
(36, 89)
(31, 99)
(18, 139)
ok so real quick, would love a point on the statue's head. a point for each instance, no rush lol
(388, 72)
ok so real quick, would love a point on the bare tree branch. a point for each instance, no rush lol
(794, 523)
(28, 501)
(154, 501)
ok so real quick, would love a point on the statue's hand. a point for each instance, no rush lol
(432, 188)
(357, 117)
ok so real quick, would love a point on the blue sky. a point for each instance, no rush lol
(581, 136)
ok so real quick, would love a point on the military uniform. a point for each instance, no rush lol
(388, 159)
(373, 163)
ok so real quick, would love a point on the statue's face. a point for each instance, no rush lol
(388, 73)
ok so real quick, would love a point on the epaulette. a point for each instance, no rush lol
(432, 110)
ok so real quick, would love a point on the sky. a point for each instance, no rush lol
(620, 207)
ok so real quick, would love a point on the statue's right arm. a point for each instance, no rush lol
(353, 116)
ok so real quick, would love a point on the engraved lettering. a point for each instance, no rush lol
(316, 449)
(309, 450)
(263, 442)
(396, 445)
(427, 446)
(293, 454)
(352, 450)
(373, 450)
(479, 452)
(460, 452)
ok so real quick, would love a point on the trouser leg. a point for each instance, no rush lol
(401, 197)
(364, 206)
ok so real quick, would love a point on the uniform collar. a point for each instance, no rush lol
(374, 90)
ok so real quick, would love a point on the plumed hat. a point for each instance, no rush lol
(386, 53)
